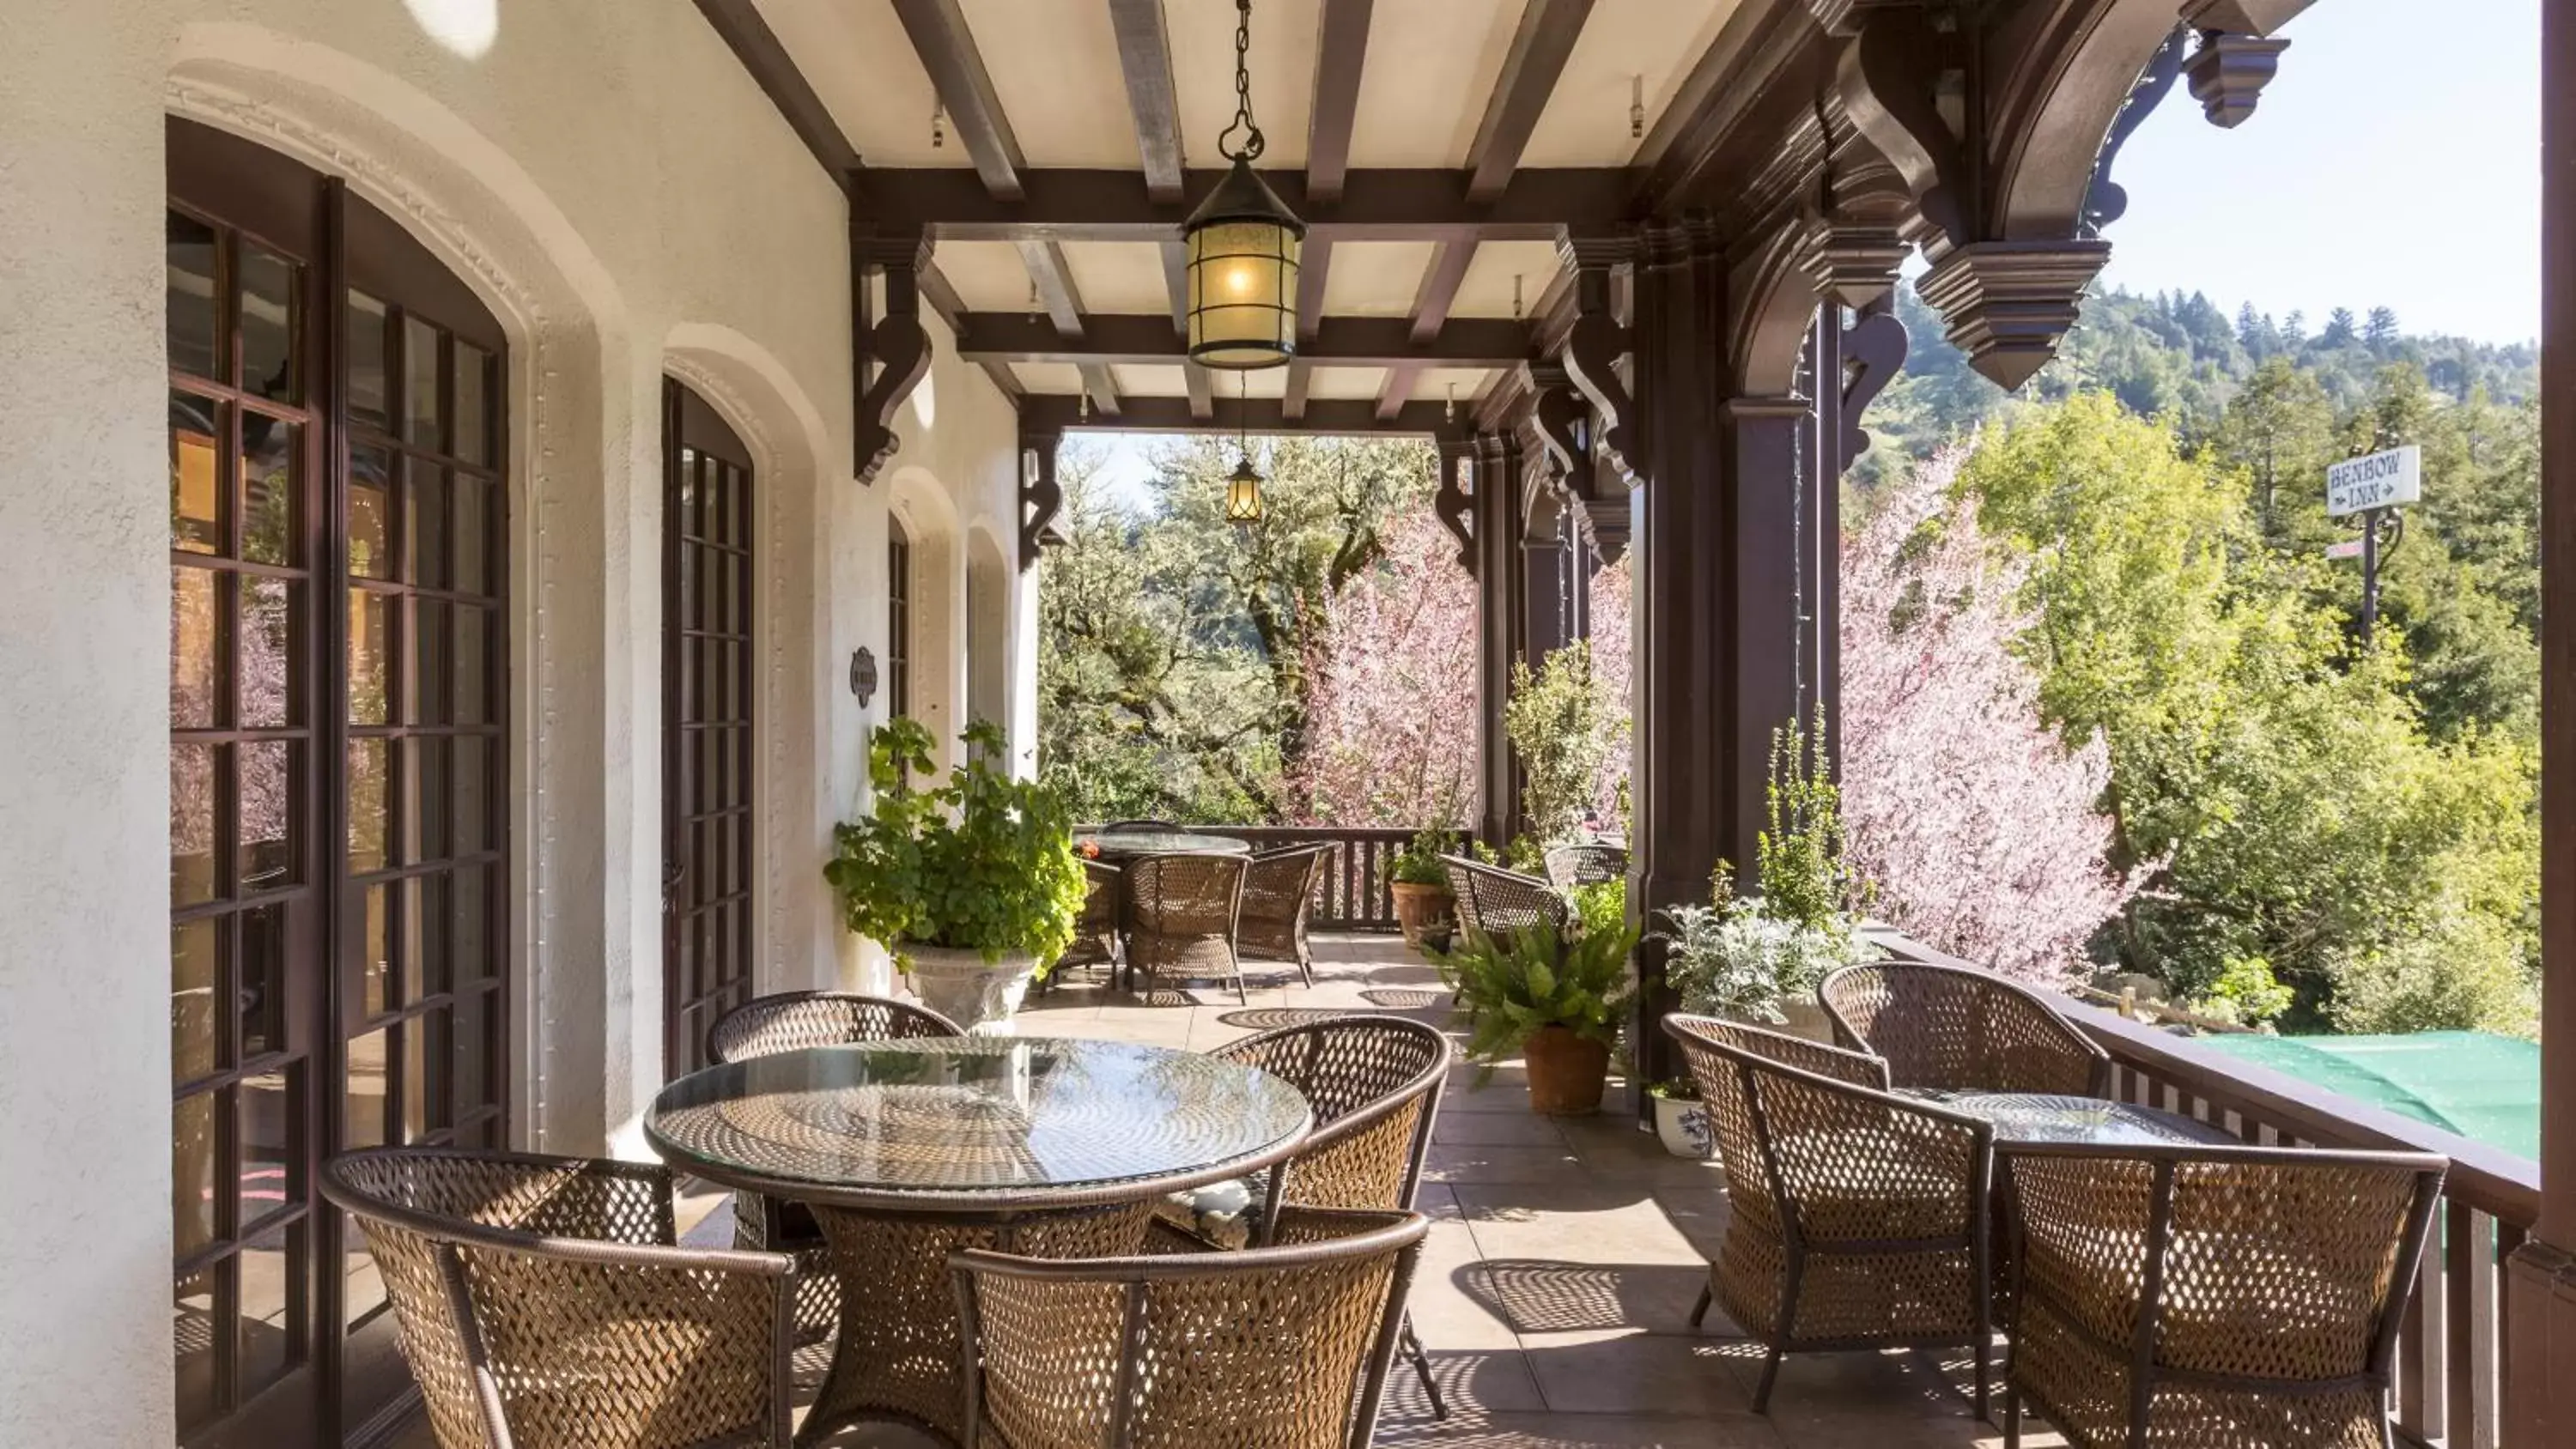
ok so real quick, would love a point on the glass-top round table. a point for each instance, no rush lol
(976, 1123)
(2042, 1117)
(905, 1152)
(1118, 845)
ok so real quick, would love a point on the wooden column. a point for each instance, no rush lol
(1547, 625)
(1500, 592)
(2540, 1290)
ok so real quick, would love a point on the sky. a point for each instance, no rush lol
(2393, 162)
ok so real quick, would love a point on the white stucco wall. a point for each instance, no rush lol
(630, 204)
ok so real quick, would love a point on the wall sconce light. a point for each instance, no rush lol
(863, 675)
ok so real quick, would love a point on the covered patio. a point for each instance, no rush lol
(544, 441)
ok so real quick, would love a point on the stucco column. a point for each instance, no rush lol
(2540, 1312)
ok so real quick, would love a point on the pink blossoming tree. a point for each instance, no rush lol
(1978, 828)
(1391, 690)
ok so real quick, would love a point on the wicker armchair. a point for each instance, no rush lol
(1095, 931)
(2211, 1296)
(1955, 1028)
(1859, 1219)
(1592, 863)
(765, 1026)
(1278, 895)
(1492, 900)
(540, 1301)
(1182, 911)
(1858, 1068)
(1283, 1347)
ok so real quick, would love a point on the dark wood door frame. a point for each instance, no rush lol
(709, 805)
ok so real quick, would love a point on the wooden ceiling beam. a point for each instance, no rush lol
(1146, 339)
(1145, 59)
(1398, 204)
(1045, 412)
(1540, 48)
(1394, 394)
(947, 50)
(765, 57)
(1341, 48)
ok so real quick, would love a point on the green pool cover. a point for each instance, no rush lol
(2483, 1087)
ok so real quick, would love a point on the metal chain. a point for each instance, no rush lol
(1253, 145)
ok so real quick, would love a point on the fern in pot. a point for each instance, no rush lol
(1553, 998)
(971, 884)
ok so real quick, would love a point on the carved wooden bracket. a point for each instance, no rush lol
(1596, 343)
(2105, 200)
(1041, 497)
(898, 344)
(2228, 73)
(1451, 505)
(1873, 349)
(1557, 415)
(1889, 80)
(2009, 303)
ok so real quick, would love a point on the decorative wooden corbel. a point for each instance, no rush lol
(1888, 78)
(1873, 349)
(2228, 73)
(2009, 303)
(1451, 505)
(898, 345)
(1041, 497)
(2105, 201)
(1596, 343)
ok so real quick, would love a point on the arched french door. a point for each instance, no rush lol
(338, 836)
(708, 814)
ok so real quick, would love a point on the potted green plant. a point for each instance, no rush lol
(1420, 884)
(1759, 958)
(971, 885)
(1681, 1118)
(1552, 997)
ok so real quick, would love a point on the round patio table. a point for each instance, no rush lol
(2045, 1117)
(908, 1151)
(1117, 845)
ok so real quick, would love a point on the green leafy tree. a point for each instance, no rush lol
(2279, 784)
(1559, 720)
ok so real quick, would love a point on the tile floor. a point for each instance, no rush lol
(1555, 1294)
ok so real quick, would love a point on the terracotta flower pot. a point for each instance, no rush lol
(1419, 908)
(1566, 1072)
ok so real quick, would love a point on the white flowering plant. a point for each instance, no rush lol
(1730, 959)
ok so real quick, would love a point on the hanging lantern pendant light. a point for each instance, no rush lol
(1243, 485)
(1243, 243)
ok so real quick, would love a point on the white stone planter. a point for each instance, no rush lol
(976, 994)
(1683, 1127)
(1806, 1019)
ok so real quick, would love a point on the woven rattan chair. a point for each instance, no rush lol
(1278, 895)
(1181, 918)
(1592, 863)
(1858, 1068)
(1857, 1219)
(1281, 1347)
(2211, 1296)
(787, 1022)
(1095, 931)
(1492, 900)
(1955, 1028)
(540, 1301)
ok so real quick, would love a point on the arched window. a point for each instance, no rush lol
(898, 619)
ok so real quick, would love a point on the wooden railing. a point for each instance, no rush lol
(2450, 1356)
(1355, 893)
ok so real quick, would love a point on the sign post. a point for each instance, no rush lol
(2375, 486)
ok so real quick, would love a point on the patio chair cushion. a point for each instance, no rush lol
(1220, 1213)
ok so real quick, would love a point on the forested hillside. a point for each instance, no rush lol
(2354, 818)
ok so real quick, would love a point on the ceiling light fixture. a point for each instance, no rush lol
(1243, 486)
(1243, 243)
(1636, 108)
